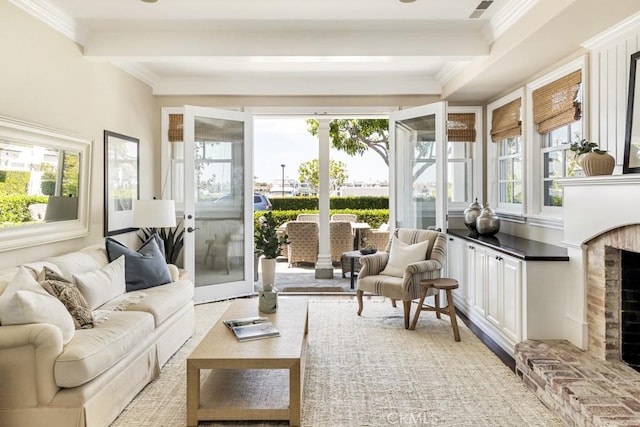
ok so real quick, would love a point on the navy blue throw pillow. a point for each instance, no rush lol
(143, 268)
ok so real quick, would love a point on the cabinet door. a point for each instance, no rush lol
(494, 291)
(511, 319)
(477, 257)
(457, 268)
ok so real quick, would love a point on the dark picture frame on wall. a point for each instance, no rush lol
(121, 182)
(632, 136)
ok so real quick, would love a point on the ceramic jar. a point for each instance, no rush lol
(487, 222)
(594, 164)
(268, 299)
(471, 213)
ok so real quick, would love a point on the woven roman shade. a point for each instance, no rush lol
(556, 104)
(175, 128)
(461, 127)
(505, 121)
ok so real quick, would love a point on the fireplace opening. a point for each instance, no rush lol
(630, 308)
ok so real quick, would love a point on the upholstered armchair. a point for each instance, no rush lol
(340, 238)
(303, 242)
(410, 256)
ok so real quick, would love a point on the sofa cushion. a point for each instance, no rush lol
(145, 267)
(93, 351)
(88, 259)
(69, 295)
(159, 301)
(102, 285)
(24, 301)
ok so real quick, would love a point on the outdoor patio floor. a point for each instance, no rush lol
(303, 276)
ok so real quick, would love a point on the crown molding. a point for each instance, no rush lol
(507, 17)
(138, 71)
(628, 26)
(53, 17)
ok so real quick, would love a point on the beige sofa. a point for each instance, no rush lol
(91, 379)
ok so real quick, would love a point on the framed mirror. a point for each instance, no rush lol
(632, 137)
(44, 184)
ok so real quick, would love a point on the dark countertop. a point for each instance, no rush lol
(518, 247)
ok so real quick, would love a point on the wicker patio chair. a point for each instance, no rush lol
(308, 217)
(303, 242)
(340, 238)
(344, 217)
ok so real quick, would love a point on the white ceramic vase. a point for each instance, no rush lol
(268, 272)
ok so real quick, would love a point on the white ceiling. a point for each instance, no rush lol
(303, 47)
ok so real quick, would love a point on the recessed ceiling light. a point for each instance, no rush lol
(407, 1)
(150, 1)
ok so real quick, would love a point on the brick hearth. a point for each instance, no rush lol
(585, 391)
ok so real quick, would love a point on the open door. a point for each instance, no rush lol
(418, 152)
(218, 202)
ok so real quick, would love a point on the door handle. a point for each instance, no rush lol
(191, 230)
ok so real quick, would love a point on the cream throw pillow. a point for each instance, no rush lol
(100, 286)
(24, 301)
(403, 254)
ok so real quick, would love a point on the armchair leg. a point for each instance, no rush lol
(407, 312)
(359, 296)
(393, 303)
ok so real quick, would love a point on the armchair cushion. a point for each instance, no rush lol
(402, 254)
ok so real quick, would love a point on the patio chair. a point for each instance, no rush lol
(410, 256)
(344, 217)
(308, 217)
(303, 242)
(340, 238)
(378, 238)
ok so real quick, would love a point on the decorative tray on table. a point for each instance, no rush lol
(368, 251)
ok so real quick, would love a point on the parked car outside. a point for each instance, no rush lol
(260, 201)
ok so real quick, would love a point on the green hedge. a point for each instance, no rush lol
(14, 182)
(14, 209)
(311, 202)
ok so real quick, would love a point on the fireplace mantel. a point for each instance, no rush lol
(594, 205)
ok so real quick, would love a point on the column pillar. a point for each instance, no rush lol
(324, 268)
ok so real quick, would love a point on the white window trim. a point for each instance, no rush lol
(475, 169)
(547, 215)
(492, 158)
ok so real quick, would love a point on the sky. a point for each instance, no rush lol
(287, 141)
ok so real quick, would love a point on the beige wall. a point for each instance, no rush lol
(44, 79)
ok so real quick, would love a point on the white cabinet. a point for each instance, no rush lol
(510, 298)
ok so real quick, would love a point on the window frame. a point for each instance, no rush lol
(551, 216)
(493, 154)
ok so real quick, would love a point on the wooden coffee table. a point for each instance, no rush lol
(252, 380)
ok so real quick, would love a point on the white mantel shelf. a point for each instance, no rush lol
(628, 179)
(596, 204)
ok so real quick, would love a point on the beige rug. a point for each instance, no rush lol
(370, 371)
(315, 289)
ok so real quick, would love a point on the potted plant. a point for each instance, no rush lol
(172, 237)
(268, 245)
(593, 160)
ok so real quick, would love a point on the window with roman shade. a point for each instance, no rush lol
(556, 104)
(505, 121)
(461, 127)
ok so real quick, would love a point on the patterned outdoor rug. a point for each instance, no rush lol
(370, 371)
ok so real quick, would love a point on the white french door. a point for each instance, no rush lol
(218, 202)
(417, 140)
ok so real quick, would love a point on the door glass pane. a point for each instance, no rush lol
(416, 147)
(218, 200)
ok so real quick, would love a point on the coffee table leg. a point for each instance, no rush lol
(193, 395)
(295, 394)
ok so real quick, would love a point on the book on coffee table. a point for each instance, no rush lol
(255, 331)
(230, 323)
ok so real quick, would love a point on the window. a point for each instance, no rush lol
(558, 161)
(506, 165)
(463, 149)
(557, 114)
(510, 171)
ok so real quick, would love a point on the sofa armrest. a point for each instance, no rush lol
(373, 264)
(174, 271)
(28, 354)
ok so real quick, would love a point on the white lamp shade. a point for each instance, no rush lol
(154, 213)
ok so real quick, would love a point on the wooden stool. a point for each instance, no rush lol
(450, 310)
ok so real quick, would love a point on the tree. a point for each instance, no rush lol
(309, 172)
(356, 136)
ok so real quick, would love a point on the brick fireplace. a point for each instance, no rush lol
(603, 289)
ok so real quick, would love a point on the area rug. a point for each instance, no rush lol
(370, 371)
